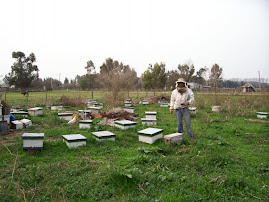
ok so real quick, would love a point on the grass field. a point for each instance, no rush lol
(228, 160)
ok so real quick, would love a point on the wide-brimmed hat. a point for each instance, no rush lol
(181, 80)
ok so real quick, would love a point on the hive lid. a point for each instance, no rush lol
(85, 121)
(74, 137)
(150, 131)
(33, 136)
(19, 112)
(103, 134)
(65, 114)
(85, 111)
(98, 108)
(125, 123)
(262, 113)
(192, 108)
(16, 122)
(35, 108)
(151, 113)
(25, 120)
(148, 119)
(128, 107)
(175, 134)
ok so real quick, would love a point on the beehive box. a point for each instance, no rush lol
(149, 121)
(192, 110)
(150, 135)
(20, 113)
(91, 102)
(84, 113)
(216, 109)
(65, 116)
(17, 125)
(262, 115)
(125, 124)
(95, 110)
(104, 135)
(6, 118)
(100, 105)
(175, 138)
(32, 140)
(127, 104)
(26, 123)
(164, 104)
(145, 102)
(74, 140)
(151, 115)
(57, 107)
(36, 111)
(129, 109)
(85, 123)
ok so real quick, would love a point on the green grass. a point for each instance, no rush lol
(228, 160)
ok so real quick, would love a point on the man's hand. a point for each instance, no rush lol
(171, 111)
(187, 103)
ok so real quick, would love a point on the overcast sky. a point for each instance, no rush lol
(65, 34)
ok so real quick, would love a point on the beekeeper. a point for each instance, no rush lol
(181, 98)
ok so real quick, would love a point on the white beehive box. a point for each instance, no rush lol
(91, 102)
(262, 115)
(85, 123)
(145, 102)
(74, 140)
(56, 108)
(84, 113)
(125, 124)
(1, 108)
(192, 110)
(36, 111)
(149, 121)
(164, 104)
(17, 125)
(129, 109)
(100, 105)
(175, 138)
(216, 109)
(104, 135)
(150, 135)
(26, 123)
(127, 104)
(20, 113)
(151, 115)
(33, 140)
(65, 116)
(95, 110)
(6, 118)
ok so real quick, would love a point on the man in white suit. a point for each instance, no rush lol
(181, 98)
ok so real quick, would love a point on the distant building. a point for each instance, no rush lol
(3, 87)
(207, 88)
(247, 88)
(195, 86)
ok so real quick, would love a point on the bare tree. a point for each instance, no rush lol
(116, 77)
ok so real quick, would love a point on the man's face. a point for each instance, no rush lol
(180, 85)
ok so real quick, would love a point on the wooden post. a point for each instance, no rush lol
(46, 97)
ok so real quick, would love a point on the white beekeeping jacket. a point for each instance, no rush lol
(178, 100)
